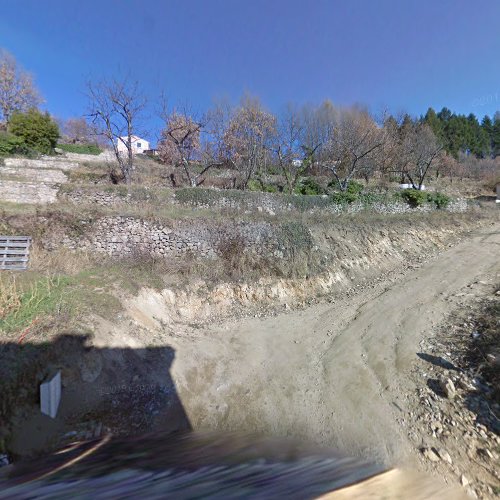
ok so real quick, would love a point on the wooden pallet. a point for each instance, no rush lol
(14, 253)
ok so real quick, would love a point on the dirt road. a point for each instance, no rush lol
(336, 374)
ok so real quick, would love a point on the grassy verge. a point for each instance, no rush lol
(85, 149)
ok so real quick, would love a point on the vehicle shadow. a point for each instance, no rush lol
(124, 391)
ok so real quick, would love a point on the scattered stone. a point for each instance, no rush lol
(493, 359)
(485, 453)
(462, 383)
(443, 454)
(430, 455)
(448, 388)
(464, 481)
(436, 427)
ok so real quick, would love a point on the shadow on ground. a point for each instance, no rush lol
(128, 391)
(437, 361)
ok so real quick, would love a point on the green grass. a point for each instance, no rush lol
(42, 297)
(85, 149)
(34, 299)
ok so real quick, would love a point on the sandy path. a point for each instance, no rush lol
(336, 374)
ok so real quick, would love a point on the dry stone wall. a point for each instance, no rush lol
(130, 236)
(46, 175)
(110, 197)
(239, 201)
(27, 192)
(24, 180)
(42, 163)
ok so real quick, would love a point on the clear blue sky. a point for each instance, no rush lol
(396, 54)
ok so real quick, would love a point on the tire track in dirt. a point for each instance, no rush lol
(333, 374)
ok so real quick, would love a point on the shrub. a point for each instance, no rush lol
(355, 187)
(11, 145)
(351, 194)
(343, 198)
(414, 197)
(36, 130)
(84, 149)
(255, 185)
(440, 200)
(309, 186)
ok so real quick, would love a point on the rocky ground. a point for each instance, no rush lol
(454, 422)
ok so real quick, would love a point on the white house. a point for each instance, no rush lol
(139, 145)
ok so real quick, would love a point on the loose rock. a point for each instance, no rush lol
(448, 387)
(430, 455)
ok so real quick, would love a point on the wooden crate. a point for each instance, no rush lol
(14, 253)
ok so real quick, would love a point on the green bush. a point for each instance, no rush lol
(36, 130)
(414, 197)
(351, 194)
(10, 144)
(440, 200)
(255, 185)
(84, 149)
(309, 186)
(343, 198)
(355, 187)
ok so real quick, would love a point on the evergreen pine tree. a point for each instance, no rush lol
(495, 136)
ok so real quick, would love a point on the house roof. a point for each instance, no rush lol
(134, 138)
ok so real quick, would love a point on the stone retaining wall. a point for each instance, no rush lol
(129, 236)
(27, 192)
(42, 163)
(46, 175)
(109, 198)
(240, 201)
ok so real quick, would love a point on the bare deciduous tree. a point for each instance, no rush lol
(352, 145)
(180, 145)
(116, 107)
(17, 90)
(76, 131)
(426, 150)
(217, 118)
(248, 137)
(292, 154)
(416, 150)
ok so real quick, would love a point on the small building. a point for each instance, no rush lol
(139, 145)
